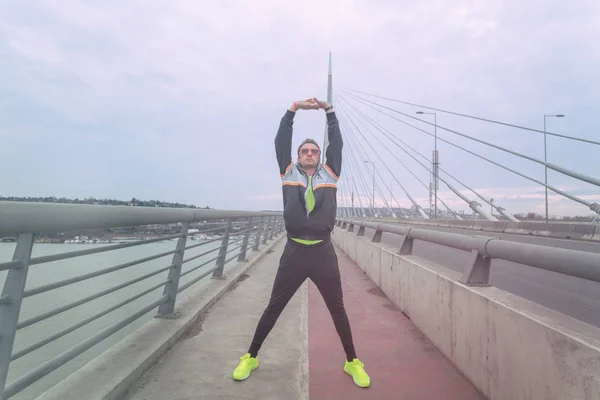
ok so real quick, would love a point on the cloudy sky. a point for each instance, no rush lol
(180, 100)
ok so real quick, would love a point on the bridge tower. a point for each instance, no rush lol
(330, 101)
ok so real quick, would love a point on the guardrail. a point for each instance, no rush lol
(588, 230)
(25, 220)
(483, 249)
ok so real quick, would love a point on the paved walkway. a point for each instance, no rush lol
(402, 363)
(302, 357)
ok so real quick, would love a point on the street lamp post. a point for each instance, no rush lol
(435, 159)
(373, 201)
(546, 160)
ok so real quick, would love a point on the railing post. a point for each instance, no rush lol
(268, 228)
(218, 273)
(406, 247)
(12, 293)
(477, 272)
(167, 309)
(272, 231)
(258, 234)
(242, 256)
(377, 235)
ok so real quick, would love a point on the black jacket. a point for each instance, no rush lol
(299, 224)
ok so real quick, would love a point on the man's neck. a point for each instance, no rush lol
(310, 170)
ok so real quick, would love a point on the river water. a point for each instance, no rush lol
(43, 274)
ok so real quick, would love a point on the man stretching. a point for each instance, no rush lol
(309, 203)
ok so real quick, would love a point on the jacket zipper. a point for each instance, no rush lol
(308, 182)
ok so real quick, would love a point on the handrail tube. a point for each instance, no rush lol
(73, 254)
(201, 244)
(198, 266)
(580, 264)
(234, 242)
(200, 255)
(213, 240)
(221, 226)
(56, 311)
(24, 217)
(59, 284)
(10, 265)
(78, 325)
(235, 248)
(454, 240)
(243, 231)
(196, 279)
(33, 376)
(232, 257)
(366, 224)
(218, 228)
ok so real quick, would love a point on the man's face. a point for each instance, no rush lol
(309, 155)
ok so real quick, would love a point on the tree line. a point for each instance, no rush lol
(106, 202)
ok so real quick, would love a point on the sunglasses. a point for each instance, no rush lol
(312, 151)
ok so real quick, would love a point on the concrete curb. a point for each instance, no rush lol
(110, 375)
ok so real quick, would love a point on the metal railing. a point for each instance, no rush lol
(25, 220)
(484, 249)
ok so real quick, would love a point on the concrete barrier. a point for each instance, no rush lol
(508, 347)
(110, 375)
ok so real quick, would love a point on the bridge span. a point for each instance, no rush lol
(422, 329)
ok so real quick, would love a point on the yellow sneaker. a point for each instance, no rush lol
(357, 371)
(247, 365)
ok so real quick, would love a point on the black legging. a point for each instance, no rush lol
(298, 262)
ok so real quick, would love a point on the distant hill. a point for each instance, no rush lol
(106, 202)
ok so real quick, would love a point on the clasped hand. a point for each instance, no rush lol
(311, 104)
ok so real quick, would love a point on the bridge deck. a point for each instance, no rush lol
(303, 357)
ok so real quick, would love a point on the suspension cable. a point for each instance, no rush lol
(573, 174)
(392, 139)
(417, 207)
(477, 118)
(383, 130)
(581, 201)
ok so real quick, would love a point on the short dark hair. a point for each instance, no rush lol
(305, 141)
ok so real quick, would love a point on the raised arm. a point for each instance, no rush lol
(283, 140)
(333, 152)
